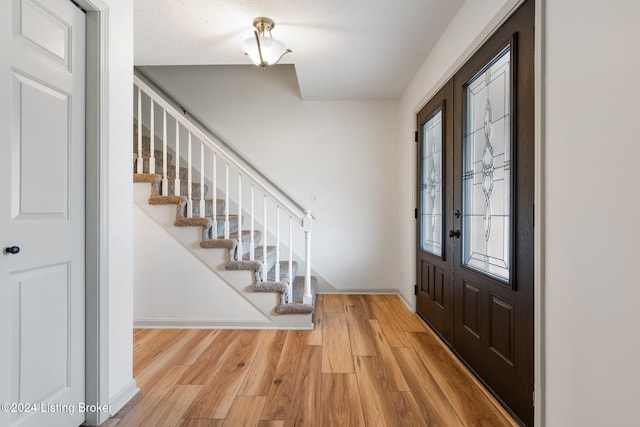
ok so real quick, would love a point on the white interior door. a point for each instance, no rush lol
(42, 66)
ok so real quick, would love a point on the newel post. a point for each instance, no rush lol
(307, 226)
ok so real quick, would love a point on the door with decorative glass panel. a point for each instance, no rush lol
(434, 288)
(487, 233)
(493, 189)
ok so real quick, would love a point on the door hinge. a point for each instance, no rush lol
(415, 213)
(415, 289)
(415, 136)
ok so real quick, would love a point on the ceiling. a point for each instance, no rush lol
(342, 49)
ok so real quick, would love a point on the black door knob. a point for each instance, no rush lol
(454, 233)
(12, 250)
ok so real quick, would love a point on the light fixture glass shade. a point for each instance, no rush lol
(272, 50)
(264, 50)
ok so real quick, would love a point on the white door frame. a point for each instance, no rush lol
(96, 179)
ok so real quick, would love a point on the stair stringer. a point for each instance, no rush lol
(241, 281)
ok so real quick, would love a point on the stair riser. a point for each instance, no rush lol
(233, 227)
(157, 154)
(171, 169)
(184, 186)
(284, 271)
(208, 209)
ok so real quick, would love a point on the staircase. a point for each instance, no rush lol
(236, 211)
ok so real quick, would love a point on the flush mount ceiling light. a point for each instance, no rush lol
(263, 49)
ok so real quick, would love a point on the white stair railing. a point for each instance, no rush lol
(150, 103)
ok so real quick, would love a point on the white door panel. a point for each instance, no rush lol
(47, 32)
(41, 322)
(42, 186)
(40, 113)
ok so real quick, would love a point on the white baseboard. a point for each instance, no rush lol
(389, 291)
(411, 305)
(214, 324)
(121, 398)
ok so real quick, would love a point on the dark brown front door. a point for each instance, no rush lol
(435, 200)
(493, 189)
(490, 235)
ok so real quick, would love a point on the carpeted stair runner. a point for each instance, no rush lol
(263, 264)
(298, 292)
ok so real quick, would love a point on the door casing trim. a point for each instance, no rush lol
(96, 199)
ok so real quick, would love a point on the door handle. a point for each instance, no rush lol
(12, 250)
(454, 233)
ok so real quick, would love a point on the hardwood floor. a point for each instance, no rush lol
(369, 362)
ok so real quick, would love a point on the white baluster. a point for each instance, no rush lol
(139, 160)
(165, 181)
(189, 179)
(214, 215)
(152, 132)
(290, 293)
(176, 190)
(277, 270)
(202, 204)
(252, 243)
(239, 251)
(307, 225)
(226, 202)
(264, 232)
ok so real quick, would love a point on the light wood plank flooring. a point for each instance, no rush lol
(369, 362)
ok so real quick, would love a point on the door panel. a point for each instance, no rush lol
(43, 31)
(434, 289)
(41, 322)
(502, 328)
(493, 188)
(41, 113)
(471, 308)
(42, 181)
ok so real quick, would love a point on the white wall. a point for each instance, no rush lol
(340, 151)
(174, 287)
(591, 210)
(119, 75)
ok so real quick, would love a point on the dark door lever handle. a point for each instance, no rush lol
(454, 233)
(12, 250)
